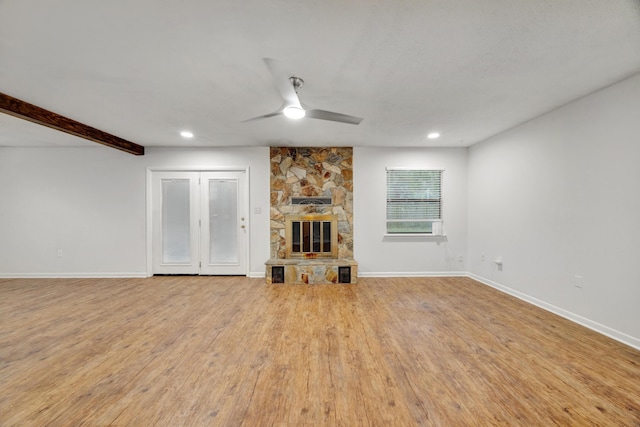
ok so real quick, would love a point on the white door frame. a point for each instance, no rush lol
(149, 205)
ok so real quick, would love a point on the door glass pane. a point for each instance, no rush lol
(326, 236)
(316, 236)
(223, 221)
(176, 245)
(306, 237)
(295, 239)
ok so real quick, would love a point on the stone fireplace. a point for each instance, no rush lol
(311, 216)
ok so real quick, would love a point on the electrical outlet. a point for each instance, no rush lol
(577, 281)
(59, 253)
(482, 257)
(460, 258)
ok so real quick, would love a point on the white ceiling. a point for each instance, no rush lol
(145, 69)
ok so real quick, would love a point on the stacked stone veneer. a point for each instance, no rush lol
(311, 172)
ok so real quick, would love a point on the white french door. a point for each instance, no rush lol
(223, 230)
(199, 223)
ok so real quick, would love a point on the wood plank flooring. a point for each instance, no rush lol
(230, 351)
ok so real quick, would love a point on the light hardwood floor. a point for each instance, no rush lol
(229, 351)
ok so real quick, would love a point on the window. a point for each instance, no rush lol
(414, 201)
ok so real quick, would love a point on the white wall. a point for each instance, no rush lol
(409, 256)
(86, 202)
(90, 203)
(559, 197)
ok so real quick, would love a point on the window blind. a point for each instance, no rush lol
(414, 200)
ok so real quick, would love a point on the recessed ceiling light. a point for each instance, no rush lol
(186, 134)
(433, 135)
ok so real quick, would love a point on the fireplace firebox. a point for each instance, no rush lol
(311, 236)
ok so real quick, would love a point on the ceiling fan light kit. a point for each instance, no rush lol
(292, 107)
(294, 112)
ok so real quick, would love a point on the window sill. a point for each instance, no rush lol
(415, 236)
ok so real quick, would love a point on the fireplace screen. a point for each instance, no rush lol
(312, 236)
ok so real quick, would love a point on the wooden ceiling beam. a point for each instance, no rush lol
(35, 114)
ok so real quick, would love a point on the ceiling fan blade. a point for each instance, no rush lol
(281, 79)
(334, 117)
(266, 116)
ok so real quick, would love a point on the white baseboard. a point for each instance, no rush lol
(72, 275)
(413, 274)
(254, 275)
(595, 326)
(257, 275)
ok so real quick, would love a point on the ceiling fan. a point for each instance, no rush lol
(292, 107)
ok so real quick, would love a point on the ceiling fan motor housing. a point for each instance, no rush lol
(297, 82)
